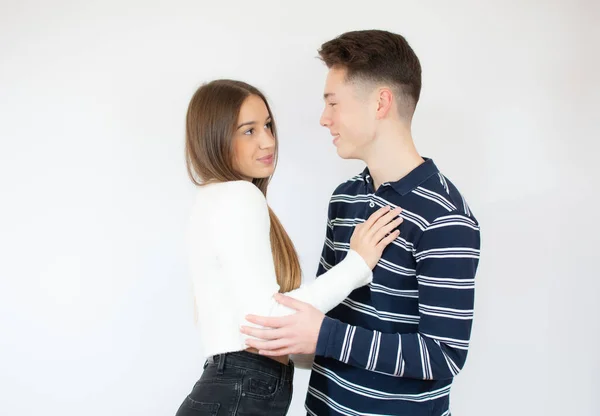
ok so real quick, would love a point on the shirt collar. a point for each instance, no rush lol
(411, 181)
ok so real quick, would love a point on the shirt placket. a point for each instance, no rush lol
(372, 195)
(370, 192)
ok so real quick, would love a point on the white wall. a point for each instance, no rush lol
(95, 309)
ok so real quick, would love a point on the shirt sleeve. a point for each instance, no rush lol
(447, 257)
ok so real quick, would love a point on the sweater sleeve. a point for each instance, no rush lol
(241, 235)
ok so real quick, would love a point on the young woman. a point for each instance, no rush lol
(240, 255)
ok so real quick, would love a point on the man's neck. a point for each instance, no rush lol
(392, 156)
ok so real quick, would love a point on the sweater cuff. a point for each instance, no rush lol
(356, 262)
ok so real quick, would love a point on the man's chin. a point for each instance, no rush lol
(345, 153)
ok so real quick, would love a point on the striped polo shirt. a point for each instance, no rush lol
(393, 347)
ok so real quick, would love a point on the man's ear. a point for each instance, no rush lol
(385, 100)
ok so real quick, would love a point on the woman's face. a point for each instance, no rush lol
(253, 141)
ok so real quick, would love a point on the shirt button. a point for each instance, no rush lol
(372, 204)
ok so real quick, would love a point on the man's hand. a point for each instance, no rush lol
(293, 334)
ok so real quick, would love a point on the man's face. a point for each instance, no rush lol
(349, 114)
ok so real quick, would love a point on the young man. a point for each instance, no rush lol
(391, 348)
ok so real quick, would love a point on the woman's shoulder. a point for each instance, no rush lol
(232, 194)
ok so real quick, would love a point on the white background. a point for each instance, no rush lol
(95, 302)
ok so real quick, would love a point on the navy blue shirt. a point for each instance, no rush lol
(393, 347)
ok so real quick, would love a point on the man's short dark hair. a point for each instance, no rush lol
(377, 56)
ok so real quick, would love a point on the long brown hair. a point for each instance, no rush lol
(210, 125)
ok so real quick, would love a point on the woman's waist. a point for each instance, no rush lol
(246, 360)
(283, 359)
(222, 342)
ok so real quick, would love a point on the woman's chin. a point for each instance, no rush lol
(263, 173)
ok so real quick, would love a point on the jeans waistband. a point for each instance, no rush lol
(252, 361)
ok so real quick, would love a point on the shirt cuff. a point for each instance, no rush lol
(327, 337)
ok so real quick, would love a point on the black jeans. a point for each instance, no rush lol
(240, 383)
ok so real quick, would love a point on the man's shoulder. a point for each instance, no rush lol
(442, 197)
(352, 186)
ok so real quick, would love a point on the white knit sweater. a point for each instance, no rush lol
(232, 266)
